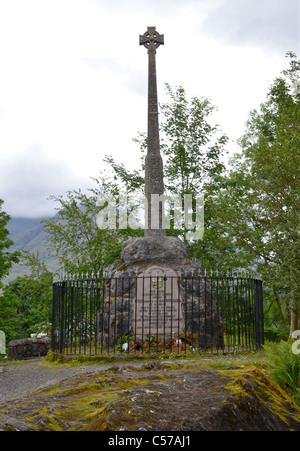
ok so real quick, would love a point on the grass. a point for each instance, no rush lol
(55, 360)
(284, 367)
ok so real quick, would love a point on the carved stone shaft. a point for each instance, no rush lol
(154, 183)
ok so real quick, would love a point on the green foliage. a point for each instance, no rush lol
(26, 302)
(191, 144)
(285, 368)
(275, 335)
(6, 258)
(256, 211)
(74, 236)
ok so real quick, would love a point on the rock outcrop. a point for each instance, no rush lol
(155, 396)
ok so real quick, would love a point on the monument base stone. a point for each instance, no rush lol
(169, 250)
(154, 290)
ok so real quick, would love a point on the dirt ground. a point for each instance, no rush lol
(139, 396)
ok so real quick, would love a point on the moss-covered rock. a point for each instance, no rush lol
(257, 403)
(175, 396)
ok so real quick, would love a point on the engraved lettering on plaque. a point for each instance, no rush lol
(157, 305)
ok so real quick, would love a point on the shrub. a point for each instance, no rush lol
(285, 368)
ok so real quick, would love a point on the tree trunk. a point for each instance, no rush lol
(294, 322)
(294, 313)
(284, 320)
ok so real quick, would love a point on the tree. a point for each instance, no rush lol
(8, 315)
(6, 258)
(258, 206)
(26, 302)
(191, 144)
(191, 148)
(75, 236)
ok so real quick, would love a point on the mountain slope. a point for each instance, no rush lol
(28, 234)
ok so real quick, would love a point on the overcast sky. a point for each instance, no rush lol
(73, 80)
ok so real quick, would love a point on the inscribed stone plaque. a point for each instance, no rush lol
(157, 305)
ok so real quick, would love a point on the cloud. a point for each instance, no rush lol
(166, 7)
(79, 90)
(111, 64)
(28, 179)
(273, 24)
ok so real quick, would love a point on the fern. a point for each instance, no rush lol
(285, 367)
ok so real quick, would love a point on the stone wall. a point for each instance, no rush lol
(28, 348)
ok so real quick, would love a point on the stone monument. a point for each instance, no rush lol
(154, 177)
(155, 246)
(152, 289)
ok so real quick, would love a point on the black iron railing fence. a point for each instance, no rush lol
(150, 314)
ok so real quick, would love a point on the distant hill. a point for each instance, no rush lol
(28, 234)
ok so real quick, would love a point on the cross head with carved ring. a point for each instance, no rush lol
(151, 39)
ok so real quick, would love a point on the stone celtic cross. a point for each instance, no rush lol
(151, 39)
(154, 182)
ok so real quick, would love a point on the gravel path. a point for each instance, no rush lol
(19, 380)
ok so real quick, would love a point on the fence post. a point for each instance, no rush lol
(261, 312)
(62, 318)
(258, 314)
(53, 340)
